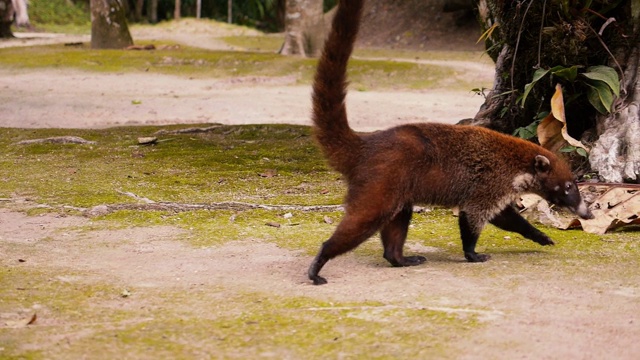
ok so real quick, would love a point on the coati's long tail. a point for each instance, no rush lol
(340, 144)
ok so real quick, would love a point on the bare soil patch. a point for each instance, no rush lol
(524, 312)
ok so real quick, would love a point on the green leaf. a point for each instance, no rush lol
(570, 74)
(539, 74)
(528, 132)
(568, 149)
(593, 94)
(604, 74)
(582, 152)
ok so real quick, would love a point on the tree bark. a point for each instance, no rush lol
(152, 11)
(109, 28)
(6, 18)
(22, 16)
(138, 10)
(176, 11)
(304, 28)
(523, 36)
(616, 152)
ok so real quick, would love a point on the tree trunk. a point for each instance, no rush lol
(109, 28)
(138, 11)
(22, 16)
(6, 18)
(524, 36)
(176, 11)
(152, 11)
(616, 152)
(304, 28)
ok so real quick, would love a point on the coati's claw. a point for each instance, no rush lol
(414, 260)
(475, 257)
(318, 280)
(545, 241)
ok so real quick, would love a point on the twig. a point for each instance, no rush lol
(187, 130)
(622, 80)
(137, 197)
(515, 52)
(544, 6)
(58, 140)
(228, 205)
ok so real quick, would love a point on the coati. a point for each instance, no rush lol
(479, 170)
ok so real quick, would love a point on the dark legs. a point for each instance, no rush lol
(470, 228)
(394, 235)
(510, 220)
(351, 232)
(358, 226)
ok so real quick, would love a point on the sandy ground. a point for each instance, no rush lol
(74, 99)
(539, 314)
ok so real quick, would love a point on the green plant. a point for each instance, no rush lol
(59, 12)
(599, 84)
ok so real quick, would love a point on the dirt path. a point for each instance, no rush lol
(73, 99)
(541, 314)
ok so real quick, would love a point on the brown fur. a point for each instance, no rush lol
(479, 170)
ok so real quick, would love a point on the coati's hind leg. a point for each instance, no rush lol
(394, 235)
(510, 220)
(470, 228)
(352, 231)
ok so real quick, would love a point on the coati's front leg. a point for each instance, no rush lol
(510, 220)
(393, 237)
(470, 228)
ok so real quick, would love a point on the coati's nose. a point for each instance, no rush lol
(583, 211)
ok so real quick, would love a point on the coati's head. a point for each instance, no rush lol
(558, 185)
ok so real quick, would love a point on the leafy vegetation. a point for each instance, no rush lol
(599, 84)
(58, 12)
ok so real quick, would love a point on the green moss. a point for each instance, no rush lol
(473, 56)
(259, 164)
(251, 325)
(267, 43)
(61, 301)
(58, 12)
(76, 319)
(185, 61)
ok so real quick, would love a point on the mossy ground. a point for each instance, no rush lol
(226, 165)
(191, 62)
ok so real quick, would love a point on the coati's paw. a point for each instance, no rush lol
(406, 260)
(318, 280)
(475, 257)
(414, 260)
(545, 240)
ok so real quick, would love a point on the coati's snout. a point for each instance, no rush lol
(570, 197)
(559, 187)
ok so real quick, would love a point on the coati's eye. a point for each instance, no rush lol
(567, 187)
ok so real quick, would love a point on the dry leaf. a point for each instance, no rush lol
(269, 173)
(552, 131)
(619, 206)
(328, 220)
(22, 323)
(33, 319)
(273, 224)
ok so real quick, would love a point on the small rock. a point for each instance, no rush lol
(147, 140)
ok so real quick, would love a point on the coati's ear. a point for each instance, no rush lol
(542, 164)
